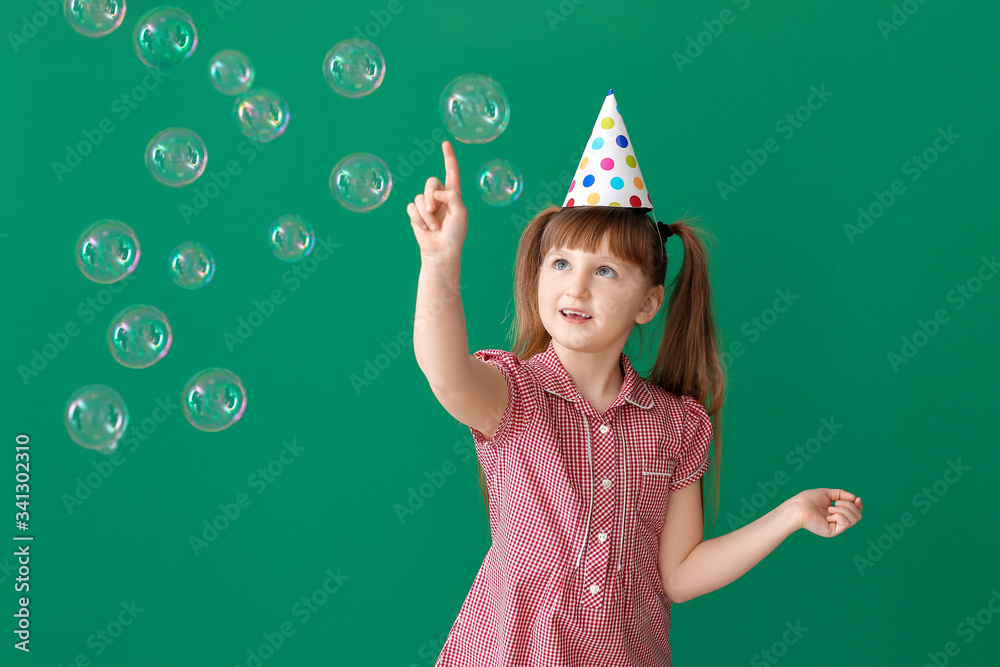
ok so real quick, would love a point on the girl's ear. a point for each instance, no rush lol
(654, 301)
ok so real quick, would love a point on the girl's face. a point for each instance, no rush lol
(612, 292)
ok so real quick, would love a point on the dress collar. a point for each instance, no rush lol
(556, 380)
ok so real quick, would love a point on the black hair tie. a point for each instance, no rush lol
(664, 230)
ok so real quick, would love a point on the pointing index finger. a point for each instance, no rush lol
(451, 180)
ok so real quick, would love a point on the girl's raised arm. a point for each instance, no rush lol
(473, 392)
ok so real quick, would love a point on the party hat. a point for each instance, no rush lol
(609, 174)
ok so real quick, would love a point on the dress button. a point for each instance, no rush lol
(594, 588)
(601, 537)
(606, 483)
(605, 428)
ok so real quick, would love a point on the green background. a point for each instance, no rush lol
(367, 448)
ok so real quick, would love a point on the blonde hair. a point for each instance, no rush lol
(688, 361)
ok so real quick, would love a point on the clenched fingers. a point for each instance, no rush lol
(433, 183)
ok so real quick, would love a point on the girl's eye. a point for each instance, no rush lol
(603, 267)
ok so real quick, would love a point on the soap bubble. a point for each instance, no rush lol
(354, 67)
(261, 114)
(107, 251)
(139, 336)
(474, 108)
(191, 265)
(291, 237)
(499, 182)
(361, 182)
(176, 156)
(214, 399)
(164, 37)
(96, 417)
(94, 18)
(231, 72)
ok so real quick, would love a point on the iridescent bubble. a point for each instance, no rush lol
(164, 37)
(474, 108)
(107, 251)
(94, 18)
(291, 237)
(354, 67)
(231, 72)
(191, 265)
(176, 156)
(214, 399)
(361, 182)
(261, 114)
(139, 336)
(96, 417)
(499, 182)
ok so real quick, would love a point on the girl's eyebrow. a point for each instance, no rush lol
(570, 252)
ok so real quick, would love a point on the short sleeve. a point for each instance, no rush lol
(695, 439)
(521, 404)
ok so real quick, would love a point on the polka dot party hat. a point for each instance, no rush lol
(608, 174)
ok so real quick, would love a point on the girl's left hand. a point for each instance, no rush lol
(817, 515)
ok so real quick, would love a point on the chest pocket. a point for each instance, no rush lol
(657, 472)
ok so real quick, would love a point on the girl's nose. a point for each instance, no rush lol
(577, 290)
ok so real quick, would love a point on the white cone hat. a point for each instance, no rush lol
(609, 173)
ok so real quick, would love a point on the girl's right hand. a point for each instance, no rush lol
(438, 216)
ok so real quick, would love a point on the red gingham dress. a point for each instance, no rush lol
(577, 501)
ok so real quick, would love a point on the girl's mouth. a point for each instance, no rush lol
(572, 317)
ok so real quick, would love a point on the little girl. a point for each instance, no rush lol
(578, 452)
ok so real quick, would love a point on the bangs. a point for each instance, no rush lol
(629, 232)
